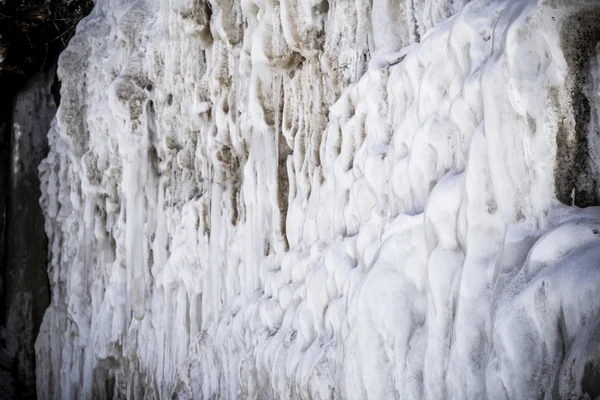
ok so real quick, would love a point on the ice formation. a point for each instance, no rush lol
(335, 199)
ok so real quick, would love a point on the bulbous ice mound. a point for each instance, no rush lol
(325, 199)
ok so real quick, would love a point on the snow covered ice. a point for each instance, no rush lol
(336, 199)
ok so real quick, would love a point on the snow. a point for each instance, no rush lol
(313, 200)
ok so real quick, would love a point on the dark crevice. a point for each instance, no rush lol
(575, 179)
(283, 183)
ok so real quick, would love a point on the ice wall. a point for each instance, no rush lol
(285, 199)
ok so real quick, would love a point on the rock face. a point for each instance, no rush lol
(25, 279)
(285, 199)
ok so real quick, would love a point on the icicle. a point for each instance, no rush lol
(88, 234)
(314, 120)
(135, 232)
(215, 235)
(277, 81)
(359, 40)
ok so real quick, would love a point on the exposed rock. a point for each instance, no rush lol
(32, 33)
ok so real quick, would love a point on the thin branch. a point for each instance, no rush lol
(61, 35)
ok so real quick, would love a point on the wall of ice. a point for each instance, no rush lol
(334, 199)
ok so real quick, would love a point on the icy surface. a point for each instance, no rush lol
(301, 199)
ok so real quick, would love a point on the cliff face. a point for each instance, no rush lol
(283, 199)
(26, 295)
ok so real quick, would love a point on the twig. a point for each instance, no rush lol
(45, 56)
(61, 35)
(28, 40)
